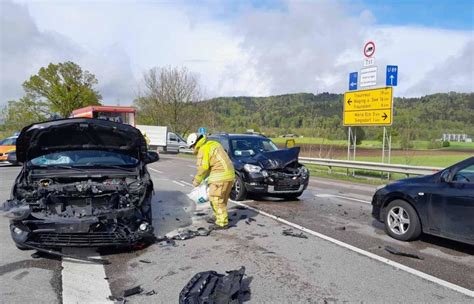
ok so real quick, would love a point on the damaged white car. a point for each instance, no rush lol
(84, 183)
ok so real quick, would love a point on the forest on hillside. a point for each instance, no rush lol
(305, 114)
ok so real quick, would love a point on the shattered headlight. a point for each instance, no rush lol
(252, 168)
(18, 212)
(304, 171)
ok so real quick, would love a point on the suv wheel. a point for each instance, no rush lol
(401, 221)
(238, 192)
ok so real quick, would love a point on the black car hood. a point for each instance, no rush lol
(79, 134)
(278, 159)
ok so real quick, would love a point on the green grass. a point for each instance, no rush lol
(441, 161)
(374, 144)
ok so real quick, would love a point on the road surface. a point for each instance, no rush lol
(342, 260)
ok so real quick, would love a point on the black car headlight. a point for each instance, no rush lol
(304, 172)
(252, 168)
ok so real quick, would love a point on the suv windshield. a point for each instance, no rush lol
(251, 146)
(84, 158)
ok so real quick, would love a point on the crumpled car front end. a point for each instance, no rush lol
(84, 183)
(61, 212)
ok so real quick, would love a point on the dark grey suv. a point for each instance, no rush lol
(262, 168)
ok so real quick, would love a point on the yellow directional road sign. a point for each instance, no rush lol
(372, 107)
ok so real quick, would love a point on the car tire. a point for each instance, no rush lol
(402, 221)
(238, 193)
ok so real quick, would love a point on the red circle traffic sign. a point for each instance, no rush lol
(369, 49)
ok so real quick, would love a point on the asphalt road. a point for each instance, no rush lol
(342, 260)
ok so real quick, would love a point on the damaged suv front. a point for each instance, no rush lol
(84, 183)
(262, 168)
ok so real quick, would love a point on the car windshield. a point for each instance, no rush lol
(250, 146)
(84, 158)
(8, 142)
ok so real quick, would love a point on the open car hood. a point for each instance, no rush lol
(278, 159)
(79, 134)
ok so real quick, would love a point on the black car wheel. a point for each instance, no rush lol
(401, 221)
(238, 190)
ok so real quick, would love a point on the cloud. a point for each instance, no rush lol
(25, 48)
(237, 49)
(312, 47)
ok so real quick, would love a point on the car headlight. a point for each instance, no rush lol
(304, 171)
(252, 168)
(380, 187)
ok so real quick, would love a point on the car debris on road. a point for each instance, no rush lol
(397, 251)
(290, 232)
(211, 287)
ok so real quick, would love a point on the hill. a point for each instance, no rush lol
(424, 118)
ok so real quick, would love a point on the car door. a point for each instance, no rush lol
(451, 207)
(173, 144)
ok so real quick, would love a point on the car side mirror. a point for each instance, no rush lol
(151, 157)
(445, 177)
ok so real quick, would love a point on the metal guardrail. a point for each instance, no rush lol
(381, 167)
(369, 166)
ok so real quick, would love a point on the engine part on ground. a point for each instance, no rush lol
(132, 291)
(290, 232)
(210, 287)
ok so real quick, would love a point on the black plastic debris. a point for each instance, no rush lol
(146, 261)
(341, 228)
(151, 292)
(240, 207)
(210, 287)
(261, 225)
(396, 251)
(118, 300)
(201, 214)
(290, 232)
(243, 217)
(188, 234)
(132, 291)
(167, 243)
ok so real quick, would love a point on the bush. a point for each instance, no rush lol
(445, 144)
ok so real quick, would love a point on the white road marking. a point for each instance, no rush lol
(83, 282)
(343, 197)
(365, 253)
(186, 183)
(178, 183)
(158, 171)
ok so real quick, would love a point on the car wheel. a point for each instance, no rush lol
(401, 221)
(238, 192)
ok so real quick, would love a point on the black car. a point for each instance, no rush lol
(441, 204)
(262, 168)
(83, 183)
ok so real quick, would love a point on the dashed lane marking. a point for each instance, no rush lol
(154, 170)
(322, 195)
(178, 183)
(83, 282)
(186, 183)
(365, 253)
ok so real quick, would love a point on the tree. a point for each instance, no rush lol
(23, 112)
(171, 97)
(63, 87)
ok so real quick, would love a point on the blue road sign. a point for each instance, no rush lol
(353, 81)
(202, 130)
(392, 75)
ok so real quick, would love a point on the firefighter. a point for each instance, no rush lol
(214, 164)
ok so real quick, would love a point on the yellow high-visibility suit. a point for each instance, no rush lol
(214, 163)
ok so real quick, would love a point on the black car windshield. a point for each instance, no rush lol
(242, 147)
(84, 158)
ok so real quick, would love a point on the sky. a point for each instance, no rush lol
(240, 48)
